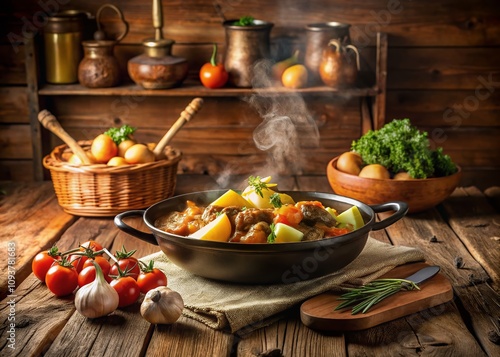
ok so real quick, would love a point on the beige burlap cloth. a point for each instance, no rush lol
(226, 306)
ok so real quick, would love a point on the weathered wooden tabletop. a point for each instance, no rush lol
(34, 322)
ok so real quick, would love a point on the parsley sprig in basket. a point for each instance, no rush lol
(97, 189)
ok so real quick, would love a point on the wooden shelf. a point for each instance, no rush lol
(370, 92)
(195, 89)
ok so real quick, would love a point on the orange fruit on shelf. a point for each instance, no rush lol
(295, 77)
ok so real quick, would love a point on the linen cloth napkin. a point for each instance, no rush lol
(229, 306)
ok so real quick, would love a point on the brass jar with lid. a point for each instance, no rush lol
(62, 36)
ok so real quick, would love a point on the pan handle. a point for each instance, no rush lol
(400, 207)
(147, 237)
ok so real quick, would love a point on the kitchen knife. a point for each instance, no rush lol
(365, 297)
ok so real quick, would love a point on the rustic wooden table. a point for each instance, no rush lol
(34, 322)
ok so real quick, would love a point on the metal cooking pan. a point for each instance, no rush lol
(261, 263)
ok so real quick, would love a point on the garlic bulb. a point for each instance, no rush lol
(97, 298)
(162, 306)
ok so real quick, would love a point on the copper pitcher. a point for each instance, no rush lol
(339, 65)
(317, 37)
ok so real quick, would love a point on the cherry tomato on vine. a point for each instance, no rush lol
(213, 75)
(92, 244)
(87, 275)
(77, 261)
(88, 250)
(62, 278)
(150, 278)
(127, 289)
(126, 263)
(103, 263)
(43, 261)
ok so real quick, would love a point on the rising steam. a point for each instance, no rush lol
(287, 126)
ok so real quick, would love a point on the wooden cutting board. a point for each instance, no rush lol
(318, 312)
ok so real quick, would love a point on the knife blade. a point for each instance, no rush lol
(424, 274)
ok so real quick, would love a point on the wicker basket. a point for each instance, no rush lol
(99, 190)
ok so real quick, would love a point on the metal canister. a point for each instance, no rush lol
(245, 45)
(63, 36)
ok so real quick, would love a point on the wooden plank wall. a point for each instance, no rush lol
(443, 74)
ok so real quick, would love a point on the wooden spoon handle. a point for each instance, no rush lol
(50, 122)
(184, 117)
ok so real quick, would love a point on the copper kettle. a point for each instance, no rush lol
(99, 68)
(339, 67)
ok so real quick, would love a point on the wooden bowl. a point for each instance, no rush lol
(419, 194)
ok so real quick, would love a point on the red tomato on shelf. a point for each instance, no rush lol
(213, 75)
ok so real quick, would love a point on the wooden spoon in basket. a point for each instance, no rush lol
(184, 117)
(50, 122)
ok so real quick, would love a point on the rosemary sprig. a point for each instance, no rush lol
(364, 297)
(275, 200)
(257, 184)
(271, 238)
